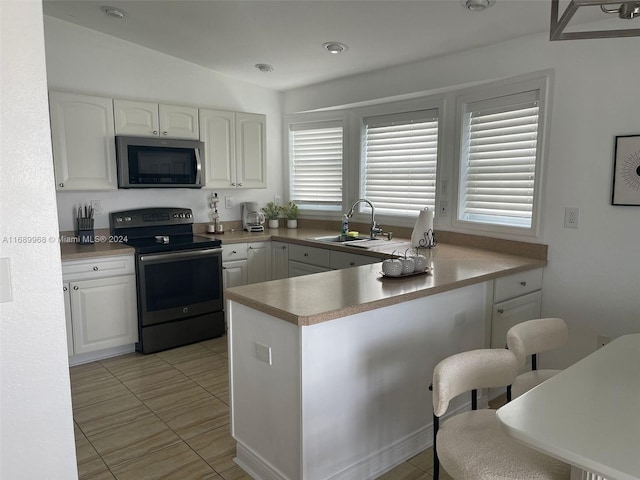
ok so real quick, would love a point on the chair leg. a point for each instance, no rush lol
(436, 462)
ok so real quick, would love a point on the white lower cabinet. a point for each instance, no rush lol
(279, 260)
(297, 269)
(100, 304)
(340, 260)
(234, 273)
(258, 262)
(516, 298)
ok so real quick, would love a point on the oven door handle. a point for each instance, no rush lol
(178, 255)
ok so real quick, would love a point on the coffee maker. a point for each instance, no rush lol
(252, 219)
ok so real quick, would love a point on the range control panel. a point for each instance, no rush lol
(150, 217)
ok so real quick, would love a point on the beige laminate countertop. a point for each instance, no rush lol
(321, 297)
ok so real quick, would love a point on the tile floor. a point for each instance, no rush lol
(166, 416)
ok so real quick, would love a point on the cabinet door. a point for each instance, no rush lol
(138, 119)
(297, 269)
(251, 153)
(217, 131)
(509, 313)
(177, 121)
(84, 153)
(259, 262)
(67, 317)
(339, 260)
(234, 273)
(279, 260)
(103, 313)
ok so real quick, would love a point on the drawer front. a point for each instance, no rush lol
(234, 251)
(310, 255)
(517, 284)
(98, 267)
(339, 260)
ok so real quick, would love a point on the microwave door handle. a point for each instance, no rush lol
(199, 168)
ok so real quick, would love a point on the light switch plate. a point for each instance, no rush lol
(263, 353)
(5, 280)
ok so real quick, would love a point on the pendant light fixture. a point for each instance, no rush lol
(626, 10)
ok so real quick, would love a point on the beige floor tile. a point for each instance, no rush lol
(133, 441)
(89, 392)
(106, 475)
(89, 372)
(183, 354)
(204, 363)
(111, 413)
(151, 377)
(215, 381)
(176, 462)
(405, 471)
(89, 462)
(176, 394)
(218, 345)
(217, 447)
(118, 365)
(192, 419)
(424, 460)
(235, 473)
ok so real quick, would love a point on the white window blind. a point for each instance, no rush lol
(499, 156)
(315, 153)
(400, 158)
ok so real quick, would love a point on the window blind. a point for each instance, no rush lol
(315, 153)
(400, 160)
(499, 156)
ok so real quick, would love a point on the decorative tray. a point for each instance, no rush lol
(405, 275)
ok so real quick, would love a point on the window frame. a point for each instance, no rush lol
(540, 82)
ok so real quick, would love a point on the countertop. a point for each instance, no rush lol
(321, 297)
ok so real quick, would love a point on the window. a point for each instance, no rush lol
(499, 160)
(315, 156)
(400, 154)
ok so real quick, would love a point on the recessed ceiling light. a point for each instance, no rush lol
(477, 5)
(335, 47)
(113, 12)
(265, 68)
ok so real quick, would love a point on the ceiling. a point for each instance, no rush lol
(232, 36)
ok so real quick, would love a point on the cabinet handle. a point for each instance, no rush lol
(95, 269)
(524, 284)
(283, 247)
(224, 268)
(75, 287)
(240, 184)
(233, 251)
(306, 254)
(352, 264)
(500, 311)
(61, 184)
(233, 184)
(64, 289)
(155, 132)
(165, 133)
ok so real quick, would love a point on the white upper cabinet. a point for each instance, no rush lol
(146, 119)
(82, 130)
(235, 149)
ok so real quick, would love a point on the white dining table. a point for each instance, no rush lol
(587, 415)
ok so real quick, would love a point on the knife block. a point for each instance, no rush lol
(84, 231)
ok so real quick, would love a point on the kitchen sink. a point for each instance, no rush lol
(338, 239)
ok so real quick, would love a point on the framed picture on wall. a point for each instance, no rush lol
(626, 171)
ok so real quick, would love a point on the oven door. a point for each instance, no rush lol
(177, 285)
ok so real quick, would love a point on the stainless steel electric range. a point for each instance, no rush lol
(178, 277)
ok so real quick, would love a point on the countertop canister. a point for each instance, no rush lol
(422, 235)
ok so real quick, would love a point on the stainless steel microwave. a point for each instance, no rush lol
(159, 163)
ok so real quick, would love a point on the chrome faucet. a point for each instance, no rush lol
(375, 230)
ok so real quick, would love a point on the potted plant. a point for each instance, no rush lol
(290, 211)
(272, 212)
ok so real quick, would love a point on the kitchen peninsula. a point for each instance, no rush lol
(329, 372)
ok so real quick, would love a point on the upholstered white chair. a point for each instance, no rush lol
(531, 338)
(471, 445)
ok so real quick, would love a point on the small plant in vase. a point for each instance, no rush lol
(290, 210)
(272, 212)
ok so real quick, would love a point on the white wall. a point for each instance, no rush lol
(36, 423)
(84, 61)
(593, 273)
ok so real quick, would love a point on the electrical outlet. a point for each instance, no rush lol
(96, 205)
(263, 353)
(571, 215)
(228, 202)
(444, 208)
(277, 199)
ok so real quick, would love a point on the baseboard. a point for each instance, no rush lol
(100, 354)
(370, 467)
